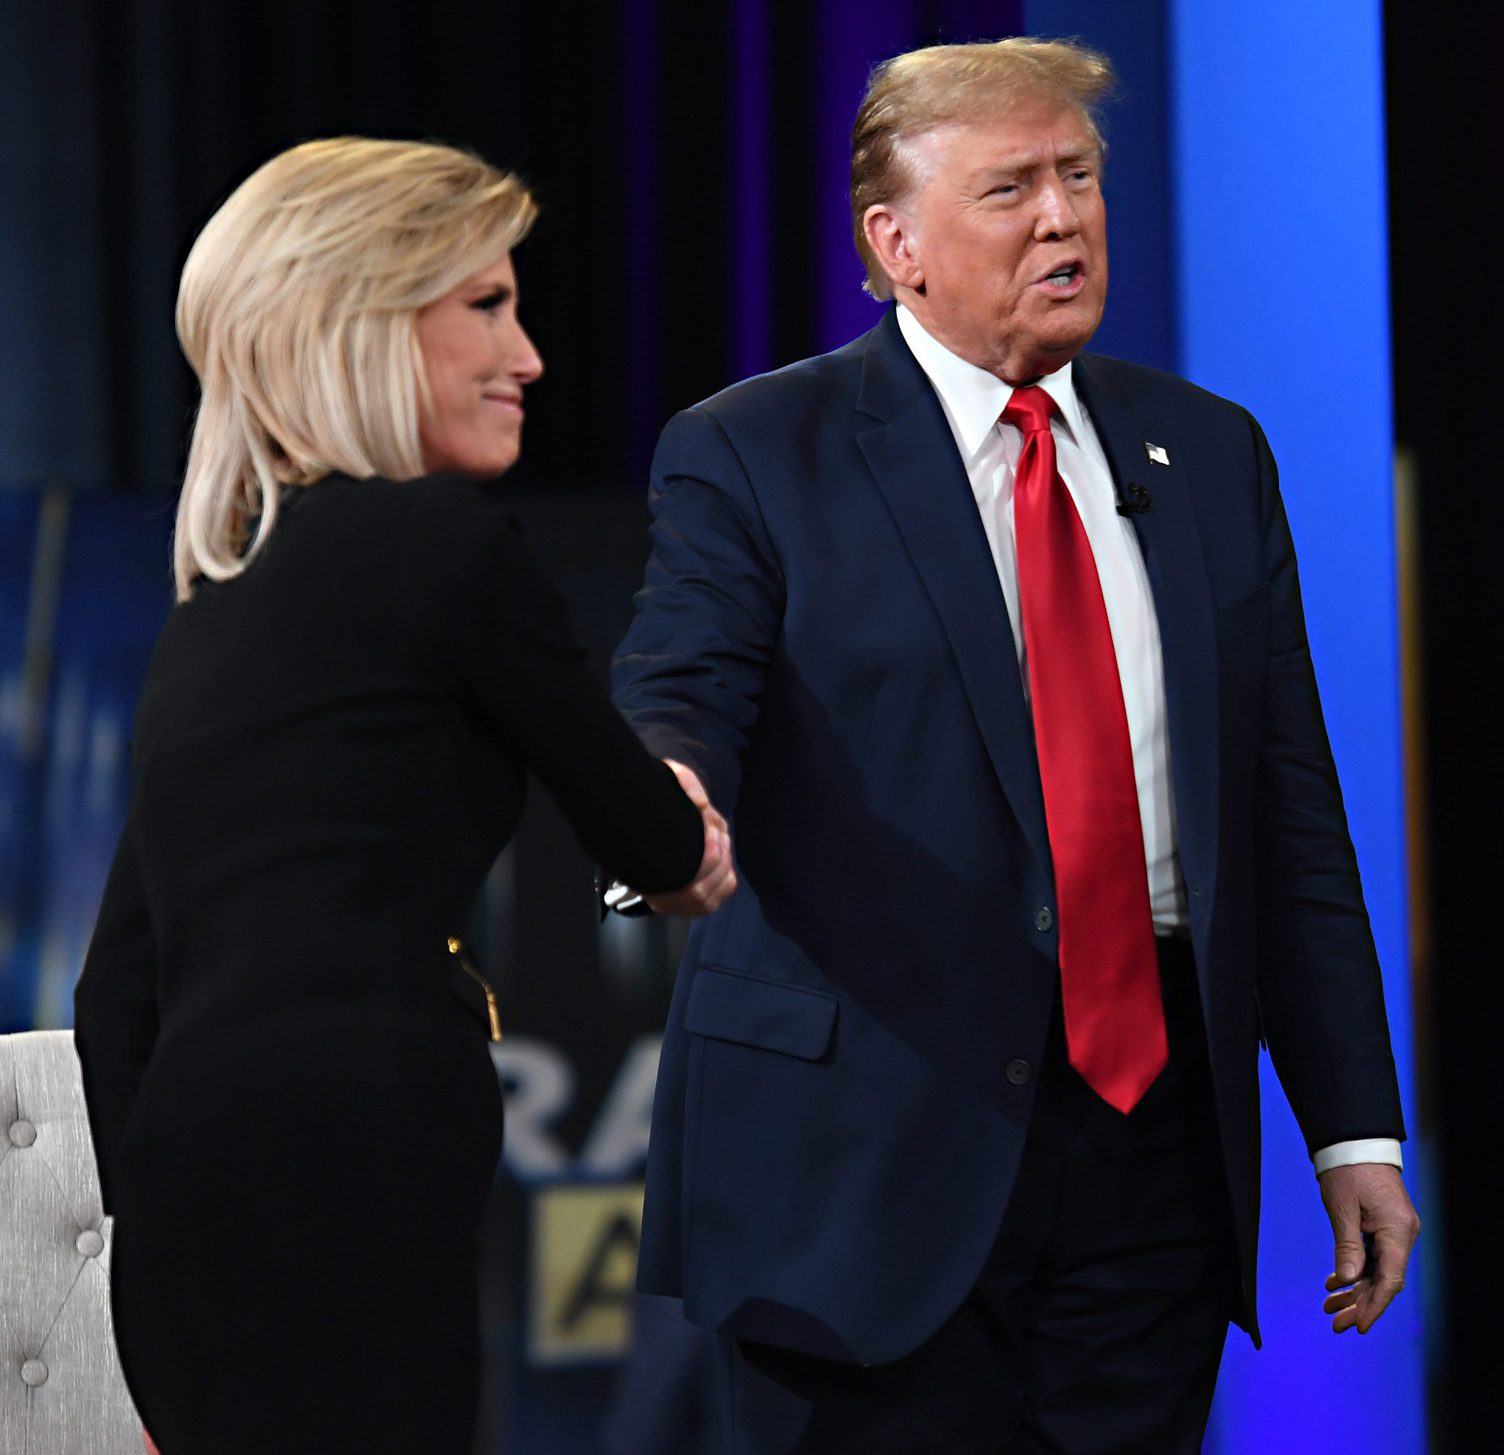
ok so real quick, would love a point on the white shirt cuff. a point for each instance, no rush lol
(1369, 1149)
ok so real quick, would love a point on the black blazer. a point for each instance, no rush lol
(329, 752)
(297, 1123)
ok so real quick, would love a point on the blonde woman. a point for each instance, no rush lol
(296, 1120)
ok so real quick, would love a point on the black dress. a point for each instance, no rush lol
(296, 1119)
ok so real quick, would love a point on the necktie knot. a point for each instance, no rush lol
(1029, 410)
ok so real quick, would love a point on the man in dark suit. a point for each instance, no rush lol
(993, 651)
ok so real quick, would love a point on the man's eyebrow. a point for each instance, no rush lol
(1027, 161)
(1008, 167)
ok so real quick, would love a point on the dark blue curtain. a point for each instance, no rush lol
(690, 158)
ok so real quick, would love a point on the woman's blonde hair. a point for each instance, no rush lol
(297, 311)
(923, 89)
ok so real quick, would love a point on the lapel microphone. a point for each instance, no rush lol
(1137, 503)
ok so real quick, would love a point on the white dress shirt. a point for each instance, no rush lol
(973, 401)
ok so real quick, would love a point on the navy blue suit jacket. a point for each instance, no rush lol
(822, 637)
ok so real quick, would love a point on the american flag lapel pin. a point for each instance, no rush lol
(1158, 454)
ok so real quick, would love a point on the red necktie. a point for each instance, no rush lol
(1109, 970)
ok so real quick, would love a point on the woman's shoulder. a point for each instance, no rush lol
(467, 519)
(463, 547)
(452, 494)
(449, 511)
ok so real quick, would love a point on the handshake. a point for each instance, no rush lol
(716, 880)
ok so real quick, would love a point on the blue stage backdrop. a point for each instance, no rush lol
(1277, 152)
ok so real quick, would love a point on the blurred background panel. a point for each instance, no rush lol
(1295, 193)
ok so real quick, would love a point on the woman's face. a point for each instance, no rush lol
(477, 359)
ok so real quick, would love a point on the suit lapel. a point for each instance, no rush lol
(1170, 540)
(913, 458)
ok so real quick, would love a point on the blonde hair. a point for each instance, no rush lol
(923, 89)
(297, 311)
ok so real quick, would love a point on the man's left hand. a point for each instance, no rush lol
(1367, 1199)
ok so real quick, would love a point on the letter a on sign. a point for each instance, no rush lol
(584, 1261)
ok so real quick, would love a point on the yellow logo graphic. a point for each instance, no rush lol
(584, 1258)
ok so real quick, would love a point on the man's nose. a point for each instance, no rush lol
(1056, 214)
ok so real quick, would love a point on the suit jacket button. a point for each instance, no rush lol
(33, 1373)
(1019, 1072)
(89, 1243)
(22, 1133)
(1044, 918)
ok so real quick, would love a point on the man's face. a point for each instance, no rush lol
(1008, 237)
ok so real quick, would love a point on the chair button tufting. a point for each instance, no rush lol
(22, 1133)
(89, 1243)
(33, 1373)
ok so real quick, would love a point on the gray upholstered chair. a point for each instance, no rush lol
(61, 1392)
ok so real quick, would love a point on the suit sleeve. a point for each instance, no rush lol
(1320, 989)
(690, 672)
(115, 1008)
(484, 609)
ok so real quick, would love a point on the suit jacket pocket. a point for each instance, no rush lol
(727, 1005)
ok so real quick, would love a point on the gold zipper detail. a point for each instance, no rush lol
(457, 949)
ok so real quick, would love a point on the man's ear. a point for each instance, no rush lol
(891, 234)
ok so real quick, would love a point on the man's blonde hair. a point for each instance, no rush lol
(916, 92)
(297, 311)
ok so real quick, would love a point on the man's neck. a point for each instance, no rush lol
(1015, 369)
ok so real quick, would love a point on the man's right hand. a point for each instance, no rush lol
(716, 881)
